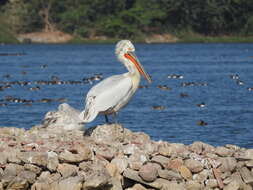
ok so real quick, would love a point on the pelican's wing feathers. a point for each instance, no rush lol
(106, 95)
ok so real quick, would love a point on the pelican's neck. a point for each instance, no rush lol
(134, 74)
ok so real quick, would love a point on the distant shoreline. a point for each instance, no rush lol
(58, 37)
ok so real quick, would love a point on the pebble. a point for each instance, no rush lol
(185, 172)
(71, 183)
(148, 172)
(175, 164)
(67, 170)
(228, 164)
(194, 166)
(120, 163)
(161, 160)
(223, 151)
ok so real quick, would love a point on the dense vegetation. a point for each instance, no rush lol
(130, 18)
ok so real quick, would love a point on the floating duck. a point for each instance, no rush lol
(184, 95)
(158, 107)
(201, 105)
(175, 76)
(202, 123)
(163, 87)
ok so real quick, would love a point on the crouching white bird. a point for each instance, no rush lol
(113, 93)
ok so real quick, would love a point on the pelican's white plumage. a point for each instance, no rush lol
(113, 93)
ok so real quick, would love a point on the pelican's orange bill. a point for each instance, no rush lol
(133, 58)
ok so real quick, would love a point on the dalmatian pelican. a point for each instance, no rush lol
(113, 93)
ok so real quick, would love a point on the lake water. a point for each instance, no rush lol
(206, 70)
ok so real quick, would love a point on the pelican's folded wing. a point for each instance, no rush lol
(107, 94)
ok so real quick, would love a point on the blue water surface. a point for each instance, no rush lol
(228, 111)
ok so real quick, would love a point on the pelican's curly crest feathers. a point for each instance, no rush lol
(124, 46)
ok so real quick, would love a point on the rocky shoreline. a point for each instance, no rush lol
(110, 157)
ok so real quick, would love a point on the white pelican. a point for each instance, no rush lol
(110, 95)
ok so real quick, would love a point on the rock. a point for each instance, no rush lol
(246, 175)
(6, 179)
(174, 164)
(179, 149)
(54, 177)
(130, 149)
(207, 148)
(196, 147)
(148, 172)
(249, 164)
(67, 170)
(139, 138)
(172, 185)
(211, 183)
(193, 185)
(12, 156)
(115, 184)
(39, 159)
(12, 131)
(121, 163)
(202, 176)
(138, 187)
(234, 185)
(137, 160)
(161, 160)
(165, 151)
(112, 170)
(232, 147)
(185, 172)
(244, 155)
(47, 158)
(71, 183)
(40, 186)
(1, 173)
(246, 187)
(44, 176)
(248, 154)
(159, 183)
(32, 168)
(108, 133)
(222, 151)
(70, 157)
(97, 179)
(194, 165)
(236, 176)
(26, 157)
(52, 161)
(13, 169)
(228, 164)
(28, 175)
(169, 174)
(211, 155)
(106, 153)
(18, 184)
(3, 158)
(149, 147)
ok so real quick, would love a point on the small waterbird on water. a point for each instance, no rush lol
(113, 93)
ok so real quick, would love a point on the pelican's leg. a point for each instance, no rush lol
(115, 117)
(106, 119)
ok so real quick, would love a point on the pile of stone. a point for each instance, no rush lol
(109, 157)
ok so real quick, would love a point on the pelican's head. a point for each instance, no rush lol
(125, 53)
